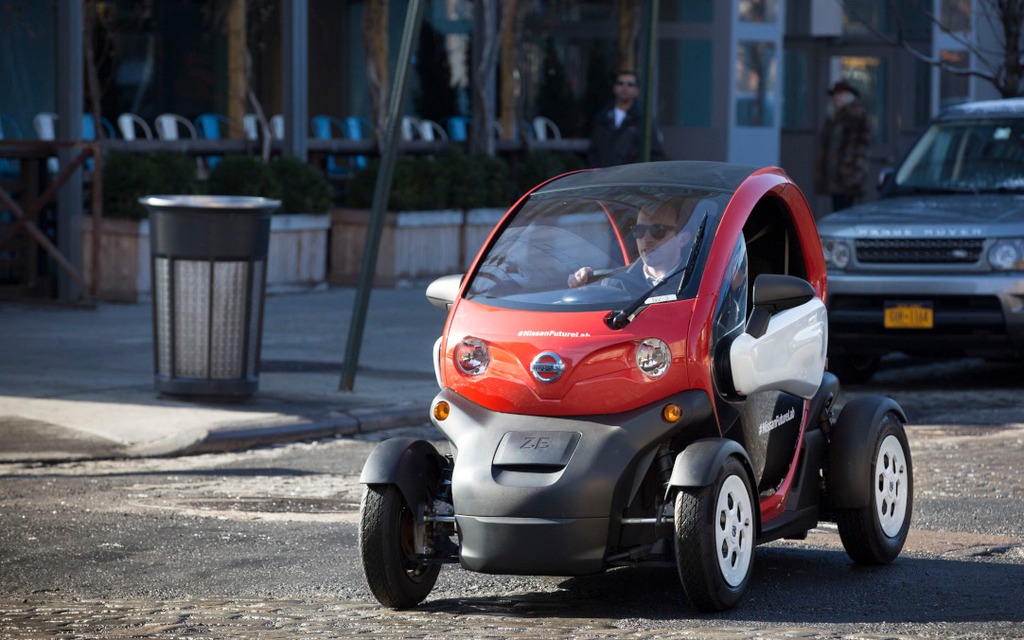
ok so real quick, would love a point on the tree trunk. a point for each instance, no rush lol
(484, 60)
(238, 83)
(510, 32)
(375, 46)
(1012, 14)
(630, 18)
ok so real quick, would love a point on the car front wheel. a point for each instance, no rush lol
(714, 538)
(397, 575)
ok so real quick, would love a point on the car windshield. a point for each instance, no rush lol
(967, 155)
(594, 248)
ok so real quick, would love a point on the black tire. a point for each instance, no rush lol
(875, 534)
(397, 576)
(853, 369)
(714, 541)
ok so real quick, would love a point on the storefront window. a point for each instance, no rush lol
(953, 86)
(956, 15)
(760, 11)
(756, 75)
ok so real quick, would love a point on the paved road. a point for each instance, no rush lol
(262, 544)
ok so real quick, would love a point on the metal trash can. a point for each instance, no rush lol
(209, 256)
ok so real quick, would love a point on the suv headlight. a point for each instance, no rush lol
(1007, 255)
(837, 252)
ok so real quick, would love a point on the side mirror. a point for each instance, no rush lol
(443, 291)
(886, 179)
(774, 293)
(784, 345)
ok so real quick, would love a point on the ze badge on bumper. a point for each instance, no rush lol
(543, 450)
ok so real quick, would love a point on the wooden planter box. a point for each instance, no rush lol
(124, 259)
(297, 257)
(415, 246)
(479, 225)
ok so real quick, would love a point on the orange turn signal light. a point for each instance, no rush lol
(442, 410)
(672, 413)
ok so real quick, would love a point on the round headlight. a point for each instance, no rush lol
(472, 356)
(653, 357)
(1005, 255)
(837, 253)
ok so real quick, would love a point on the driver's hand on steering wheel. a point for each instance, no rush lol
(580, 277)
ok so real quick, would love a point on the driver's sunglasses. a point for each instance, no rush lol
(657, 231)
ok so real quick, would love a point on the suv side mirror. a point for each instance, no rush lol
(886, 180)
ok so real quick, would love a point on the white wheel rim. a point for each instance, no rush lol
(734, 531)
(890, 485)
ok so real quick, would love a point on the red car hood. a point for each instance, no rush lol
(600, 374)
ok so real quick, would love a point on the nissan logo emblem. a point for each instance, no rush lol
(547, 367)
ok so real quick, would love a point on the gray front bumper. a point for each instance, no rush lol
(543, 495)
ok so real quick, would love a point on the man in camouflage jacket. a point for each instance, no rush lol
(841, 167)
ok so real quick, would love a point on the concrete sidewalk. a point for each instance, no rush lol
(78, 383)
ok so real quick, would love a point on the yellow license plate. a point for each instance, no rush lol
(909, 316)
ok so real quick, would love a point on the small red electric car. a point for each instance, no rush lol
(633, 373)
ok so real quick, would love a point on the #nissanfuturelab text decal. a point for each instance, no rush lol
(552, 333)
(768, 425)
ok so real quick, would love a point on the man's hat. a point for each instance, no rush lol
(843, 85)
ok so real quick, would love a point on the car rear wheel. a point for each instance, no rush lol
(875, 534)
(714, 538)
(397, 575)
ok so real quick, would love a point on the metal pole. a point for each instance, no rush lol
(70, 20)
(652, 69)
(396, 105)
(295, 53)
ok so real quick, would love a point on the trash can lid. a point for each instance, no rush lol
(209, 202)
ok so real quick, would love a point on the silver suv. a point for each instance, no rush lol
(936, 266)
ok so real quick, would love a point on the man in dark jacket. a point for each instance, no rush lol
(841, 168)
(618, 132)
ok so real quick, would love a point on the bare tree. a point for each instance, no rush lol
(1000, 62)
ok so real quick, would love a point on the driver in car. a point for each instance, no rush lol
(660, 241)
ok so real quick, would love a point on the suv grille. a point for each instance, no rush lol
(920, 250)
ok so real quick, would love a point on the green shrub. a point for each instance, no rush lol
(477, 180)
(243, 176)
(538, 166)
(304, 188)
(130, 176)
(452, 180)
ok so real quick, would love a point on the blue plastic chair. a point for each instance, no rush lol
(9, 130)
(458, 128)
(210, 126)
(357, 128)
(323, 129)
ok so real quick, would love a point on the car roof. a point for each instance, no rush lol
(983, 108)
(715, 176)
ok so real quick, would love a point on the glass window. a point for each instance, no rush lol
(755, 83)
(685, 83)
(956, 15)
(797, 87)
(968, 156)
(594, 248)
(760, 11)
(691, 11)
(953, 87)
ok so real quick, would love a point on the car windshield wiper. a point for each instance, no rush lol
(619, 319)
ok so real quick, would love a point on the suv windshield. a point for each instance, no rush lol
(596, 248)
(967, 155)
